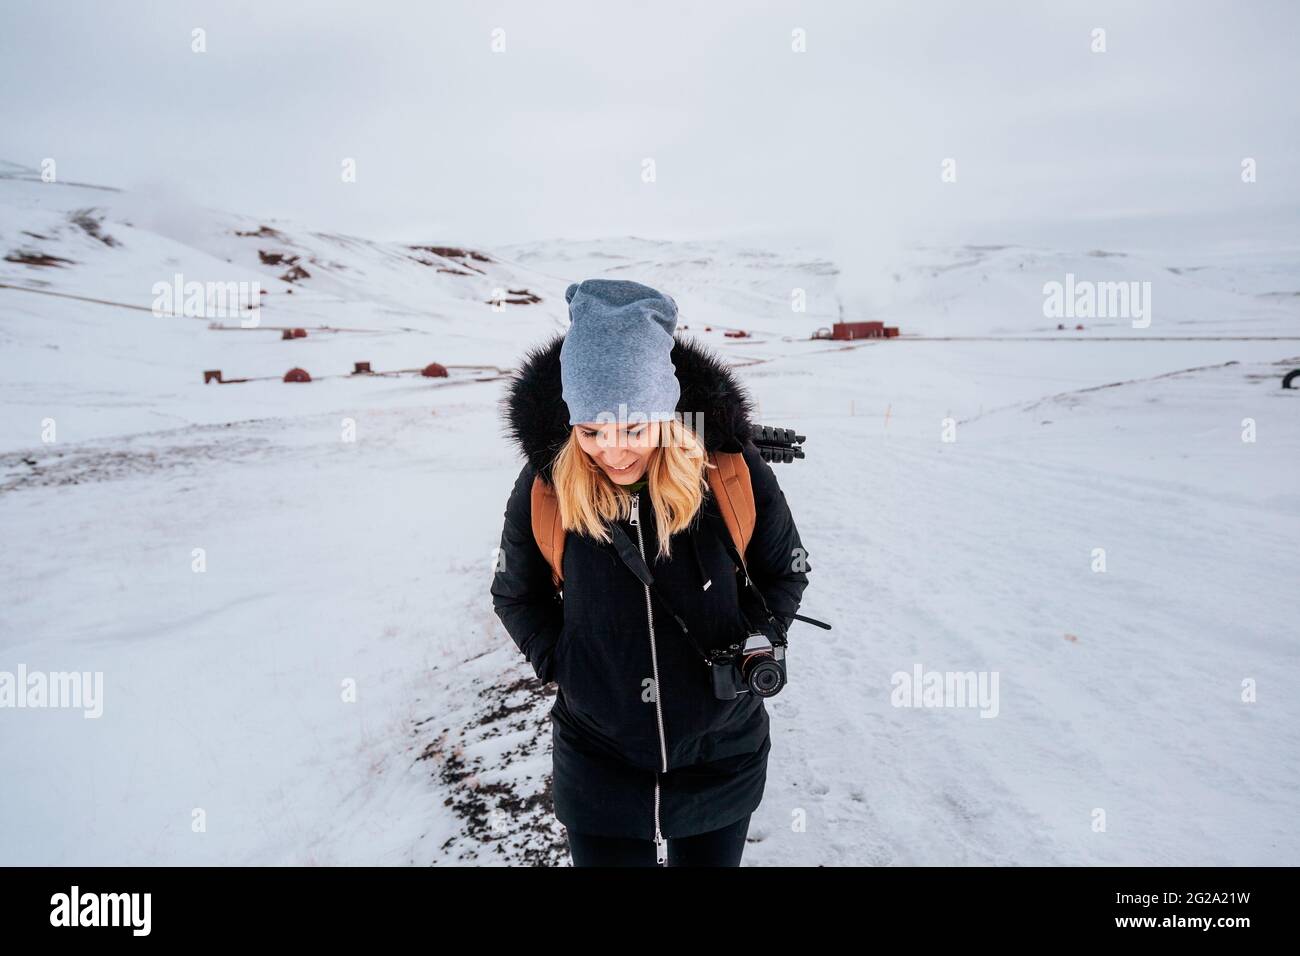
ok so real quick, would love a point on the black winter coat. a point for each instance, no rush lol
(624, 763)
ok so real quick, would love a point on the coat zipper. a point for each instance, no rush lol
(661, 845)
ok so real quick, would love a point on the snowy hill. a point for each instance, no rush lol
(405, 305)
(345, 532)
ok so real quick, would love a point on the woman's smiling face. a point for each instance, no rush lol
(622, 451)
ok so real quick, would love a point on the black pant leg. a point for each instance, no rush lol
(722, 847)
(587, 849)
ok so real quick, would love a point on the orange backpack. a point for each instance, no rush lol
(729, 482)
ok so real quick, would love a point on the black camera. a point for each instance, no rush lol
(755, 667)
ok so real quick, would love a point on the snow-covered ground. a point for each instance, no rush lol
(334, 687)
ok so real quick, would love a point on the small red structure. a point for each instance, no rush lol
(736, 334)
(434, 370)
(361, 368)
(214, 375)
(299, 333)
(297, 375)
(848, 331)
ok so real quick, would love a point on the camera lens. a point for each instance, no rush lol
(765, 678)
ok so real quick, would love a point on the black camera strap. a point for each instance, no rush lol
(631, 556)
(721, 530)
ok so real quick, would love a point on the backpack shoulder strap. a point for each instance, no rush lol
(734, 493)
(547, 529)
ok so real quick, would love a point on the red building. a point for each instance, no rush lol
(862, 330)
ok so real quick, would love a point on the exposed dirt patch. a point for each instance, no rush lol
(265, 232)
(451, 252)
(87, 462)
(517, 297)
(438, 256)
(29, 257)
(91, 223)
(505, 817)
(295, 271)
(275, 258)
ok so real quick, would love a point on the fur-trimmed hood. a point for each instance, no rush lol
(537, 420)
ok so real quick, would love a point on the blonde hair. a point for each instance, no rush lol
(676, 484)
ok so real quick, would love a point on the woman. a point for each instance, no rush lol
(649, 766)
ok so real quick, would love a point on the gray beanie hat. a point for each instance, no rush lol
(618, 352)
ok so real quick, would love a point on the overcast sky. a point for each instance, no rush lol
(455, 142)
